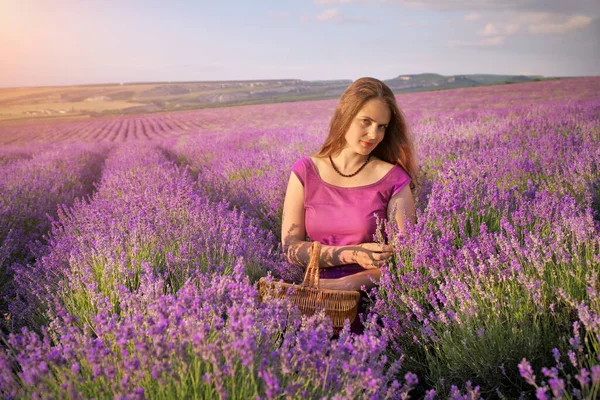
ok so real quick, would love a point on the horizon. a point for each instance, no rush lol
(286, 79)
(93, 43)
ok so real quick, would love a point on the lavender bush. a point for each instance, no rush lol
(242, 169)
(209, 340)
(32, 188)
(508, 225)
(576, 373)
(144, 213)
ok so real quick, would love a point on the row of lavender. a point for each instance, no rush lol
(34, 181)
(119, 129)
(142, 288)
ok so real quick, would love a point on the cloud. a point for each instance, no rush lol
(499, 29)
(512, 23)
(533, 23)
(474, 16)
(447, 5)
(335, 15)
(495, 41)
(570, 24)
(555, 6)
(330, 14)
(537, 23)
(331, 2)
(485, 7)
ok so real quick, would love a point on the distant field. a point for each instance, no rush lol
(66, 109)
(69, 102)
(66, 102)
(148, 126)
(77, 102)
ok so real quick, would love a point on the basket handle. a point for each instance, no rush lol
(311, 277)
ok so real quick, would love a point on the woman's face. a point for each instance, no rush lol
(368, 127)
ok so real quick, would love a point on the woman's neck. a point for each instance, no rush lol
(348, 160)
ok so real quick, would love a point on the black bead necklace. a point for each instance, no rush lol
(351, 175)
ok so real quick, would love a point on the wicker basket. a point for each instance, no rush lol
(339, 305)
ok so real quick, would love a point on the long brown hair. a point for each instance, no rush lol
(396, 146)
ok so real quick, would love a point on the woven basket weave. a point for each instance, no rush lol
(339, 305)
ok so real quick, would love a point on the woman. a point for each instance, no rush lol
(363, 171)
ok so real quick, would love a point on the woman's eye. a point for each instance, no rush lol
(366, 122)
(383, 127)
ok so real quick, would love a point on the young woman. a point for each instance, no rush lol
(362, 171)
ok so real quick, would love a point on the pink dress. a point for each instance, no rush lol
(340, 216)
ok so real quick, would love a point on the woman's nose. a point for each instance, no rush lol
(372, 131)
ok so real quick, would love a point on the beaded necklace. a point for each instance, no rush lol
(350, 175)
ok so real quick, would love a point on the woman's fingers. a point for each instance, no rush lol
(371, 246)
(382, 256)
(377, 248)
(373, 255)
(378, 263)
(387, 248)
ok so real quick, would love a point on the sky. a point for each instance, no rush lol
(46, 43)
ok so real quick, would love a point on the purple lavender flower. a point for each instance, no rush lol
(540, 393)
(527, 372)
(583, 377)
(557, 386)
(595, 374)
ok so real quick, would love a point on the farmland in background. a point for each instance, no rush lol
(84, 101)
(130, 247)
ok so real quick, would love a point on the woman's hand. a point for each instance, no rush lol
(371, 255)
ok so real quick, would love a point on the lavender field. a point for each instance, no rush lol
(131, 247)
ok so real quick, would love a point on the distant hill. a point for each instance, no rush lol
(435, 81)
(84, 101)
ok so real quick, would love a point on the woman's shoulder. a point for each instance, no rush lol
(317, 161)
(384, 169)
(387, 166)
(392, 174)
(314, 163)
(302, 163)
(302, 168)
(397, 178)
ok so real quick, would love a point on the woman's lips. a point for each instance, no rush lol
(367, 144)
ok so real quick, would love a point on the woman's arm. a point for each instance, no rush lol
(401, 208)
(296, 248)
